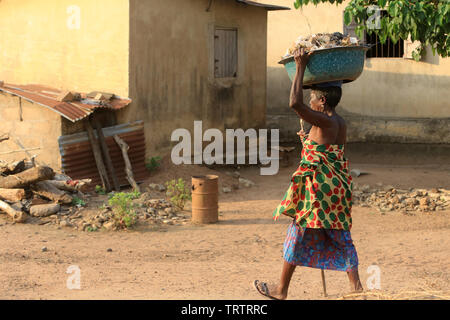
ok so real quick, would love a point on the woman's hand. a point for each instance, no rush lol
(302, 135)
(301, 57)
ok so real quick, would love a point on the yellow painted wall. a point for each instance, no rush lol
(41, 43)
(391, 88)
(31, 127)
(159, 53)
(171, 67)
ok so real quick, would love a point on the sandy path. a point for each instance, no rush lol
(220, 261)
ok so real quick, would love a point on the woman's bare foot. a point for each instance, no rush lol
(270, 291)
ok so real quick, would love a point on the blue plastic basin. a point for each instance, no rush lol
(333, 64)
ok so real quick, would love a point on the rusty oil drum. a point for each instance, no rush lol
(205, 199)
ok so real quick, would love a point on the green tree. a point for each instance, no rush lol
(427, 21)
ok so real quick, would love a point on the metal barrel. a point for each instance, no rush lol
(205, 199)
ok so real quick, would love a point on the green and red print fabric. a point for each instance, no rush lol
(320, 193)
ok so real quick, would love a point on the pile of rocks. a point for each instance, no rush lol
(161, 211)
(79, 221)
(152, 211)
(388, 198)
(240, 182)
(322, 41)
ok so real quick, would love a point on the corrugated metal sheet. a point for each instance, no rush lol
(269, 7)
(78, 160)
(47, 97)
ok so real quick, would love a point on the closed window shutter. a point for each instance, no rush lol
(225, 53)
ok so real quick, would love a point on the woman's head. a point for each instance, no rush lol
(325, 96)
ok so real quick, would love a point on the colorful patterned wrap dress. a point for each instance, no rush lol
(319, 199)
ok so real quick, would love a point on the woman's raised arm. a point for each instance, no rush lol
(315, 118)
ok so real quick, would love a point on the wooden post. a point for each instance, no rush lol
(48, 190)
(27, 177)
(128, 169)
(16, 215)
(323, 283)
(13, 195)
(44, 210)
(81, 185)
(98, 156)
(106, 154)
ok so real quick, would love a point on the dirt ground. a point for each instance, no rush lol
(221, 261)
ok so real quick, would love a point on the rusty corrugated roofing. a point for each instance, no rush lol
(78, 160)
(47, 97)
(269, 7)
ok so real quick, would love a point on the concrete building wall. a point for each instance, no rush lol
(394, 100)
(67, 44)
(31, 127)
(172, 67)
(159, 53)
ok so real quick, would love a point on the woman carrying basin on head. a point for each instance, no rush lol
(319, 198)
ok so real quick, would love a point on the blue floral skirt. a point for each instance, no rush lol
(320, 248)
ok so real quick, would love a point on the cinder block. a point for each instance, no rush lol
(69, 96)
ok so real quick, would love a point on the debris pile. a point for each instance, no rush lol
(30, 190)
(151, 211)
(322, 41)
(36, 193)
(93, 98)
(388, 198)
(240, 182)
(162, 211)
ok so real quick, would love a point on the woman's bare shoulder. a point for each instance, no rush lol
(342, 134)
(341, 122)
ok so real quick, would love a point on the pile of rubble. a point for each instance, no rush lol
(30, 190)
(322, 41)
(161, 211)
(36, 194)
(150, 211)
(240, 182)
(388, 198)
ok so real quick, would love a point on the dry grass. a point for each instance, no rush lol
(403, 295)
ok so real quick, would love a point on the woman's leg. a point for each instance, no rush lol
(286, 276)
(355, 283)
(280, 291)
(342, 240)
